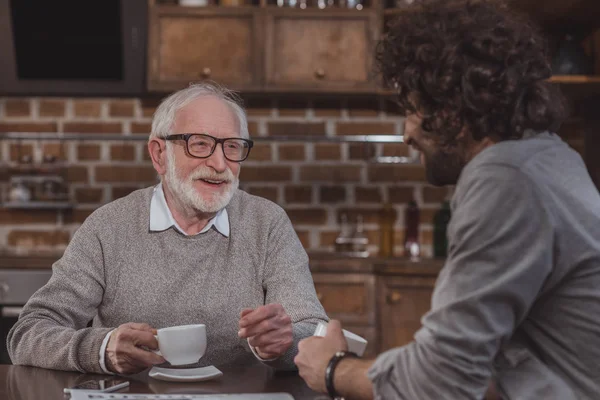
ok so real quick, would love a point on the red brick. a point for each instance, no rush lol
(149, 107)
(122, 152)
(130, 174)
(52, 108)
(77, 174)
(265, 174)
(56, 149)
(261, 152)
(426, 215)
(87, 108)
(365, 128)
(88, 152)
(27, 127)
(77, 216)
(401, 194)
(396, 173)
(35, 239)
(328, 107)
(17, 108)
(17, 216)
(361, 151)
(121, 108)
(122, 191)
(88, 195)
(369, 215)
(298, 194)
(367, 195)
(296, 129)
(93, 127)
(292, 152)
(433, 194)
(18, 151)
(258, 106)
(332, 194)
(326, 151)
(141, 128)
(292, 107)
(328, 173)
(307, 216)
(363, 107)
(253, 128)
(395, 150)
(267, 192)
(304, 237)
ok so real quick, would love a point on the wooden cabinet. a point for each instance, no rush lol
(188, 45)
(323, 51)
(380, 300)
(402, 301)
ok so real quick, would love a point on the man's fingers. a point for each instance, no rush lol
(261, 313)
(141, 326)
(145, 358)
(281, 336)
(245, 312)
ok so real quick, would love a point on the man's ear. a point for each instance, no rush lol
(158, 153)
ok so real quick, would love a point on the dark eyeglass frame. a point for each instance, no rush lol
(187, 136)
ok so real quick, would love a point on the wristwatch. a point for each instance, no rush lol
(337, 357)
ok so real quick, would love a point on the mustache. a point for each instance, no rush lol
(207, 173)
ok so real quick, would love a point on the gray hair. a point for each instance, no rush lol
(164, 116)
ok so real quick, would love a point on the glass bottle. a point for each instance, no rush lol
(440, 226)
(387, 218)
(412, 248)
(359, 238)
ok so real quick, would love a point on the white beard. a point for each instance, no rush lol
(188, 196)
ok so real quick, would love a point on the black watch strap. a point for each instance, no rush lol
(337, 357)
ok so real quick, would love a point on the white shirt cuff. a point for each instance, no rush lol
(103, 353)
(256, 354)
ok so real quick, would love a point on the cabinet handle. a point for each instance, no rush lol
(394, 298)
(320, 73)
(206, 72)
(320, 296)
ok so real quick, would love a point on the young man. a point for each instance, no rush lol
(518, 300)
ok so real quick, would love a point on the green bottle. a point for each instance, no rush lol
(440, 225)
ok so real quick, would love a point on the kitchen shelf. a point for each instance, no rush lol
(38, 205)
(144, 138)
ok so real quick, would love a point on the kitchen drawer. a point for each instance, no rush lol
(17, 286)
(347, 297)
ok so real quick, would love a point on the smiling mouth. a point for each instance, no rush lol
(213, 182)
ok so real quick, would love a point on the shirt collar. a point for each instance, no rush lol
(162, 219)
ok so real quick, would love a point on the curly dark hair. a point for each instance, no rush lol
(470, 63)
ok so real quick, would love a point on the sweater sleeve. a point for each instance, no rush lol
(52, 329)
(288, 281)
(501, 249)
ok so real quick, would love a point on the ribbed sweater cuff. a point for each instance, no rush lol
(89, 349)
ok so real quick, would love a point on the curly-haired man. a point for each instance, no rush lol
(517, 304)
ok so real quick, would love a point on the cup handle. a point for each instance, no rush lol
(156, 351)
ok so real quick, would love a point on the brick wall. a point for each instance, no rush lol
(314, 182)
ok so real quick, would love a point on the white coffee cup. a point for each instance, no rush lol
(356, 344)
(183, 344)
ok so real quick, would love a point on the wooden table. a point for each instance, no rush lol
(29, 383)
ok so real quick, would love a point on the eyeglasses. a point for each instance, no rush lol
(200, 145)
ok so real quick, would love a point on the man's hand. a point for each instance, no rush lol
(268, 328)
(315, 352)
(123, 352)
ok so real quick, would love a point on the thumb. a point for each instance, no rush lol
(334, 329)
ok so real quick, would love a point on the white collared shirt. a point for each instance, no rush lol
(162, 219)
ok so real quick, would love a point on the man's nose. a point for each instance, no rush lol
(217, 160)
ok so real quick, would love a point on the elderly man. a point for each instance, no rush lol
(193, 249)
(518, 299)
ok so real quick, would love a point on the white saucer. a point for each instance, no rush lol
(185, 375)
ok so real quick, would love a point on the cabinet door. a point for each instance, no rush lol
(347, 297)
(402, 301)
(320, 51)
(189, 44)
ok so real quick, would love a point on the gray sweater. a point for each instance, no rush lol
(519, 296)
(115, 270)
